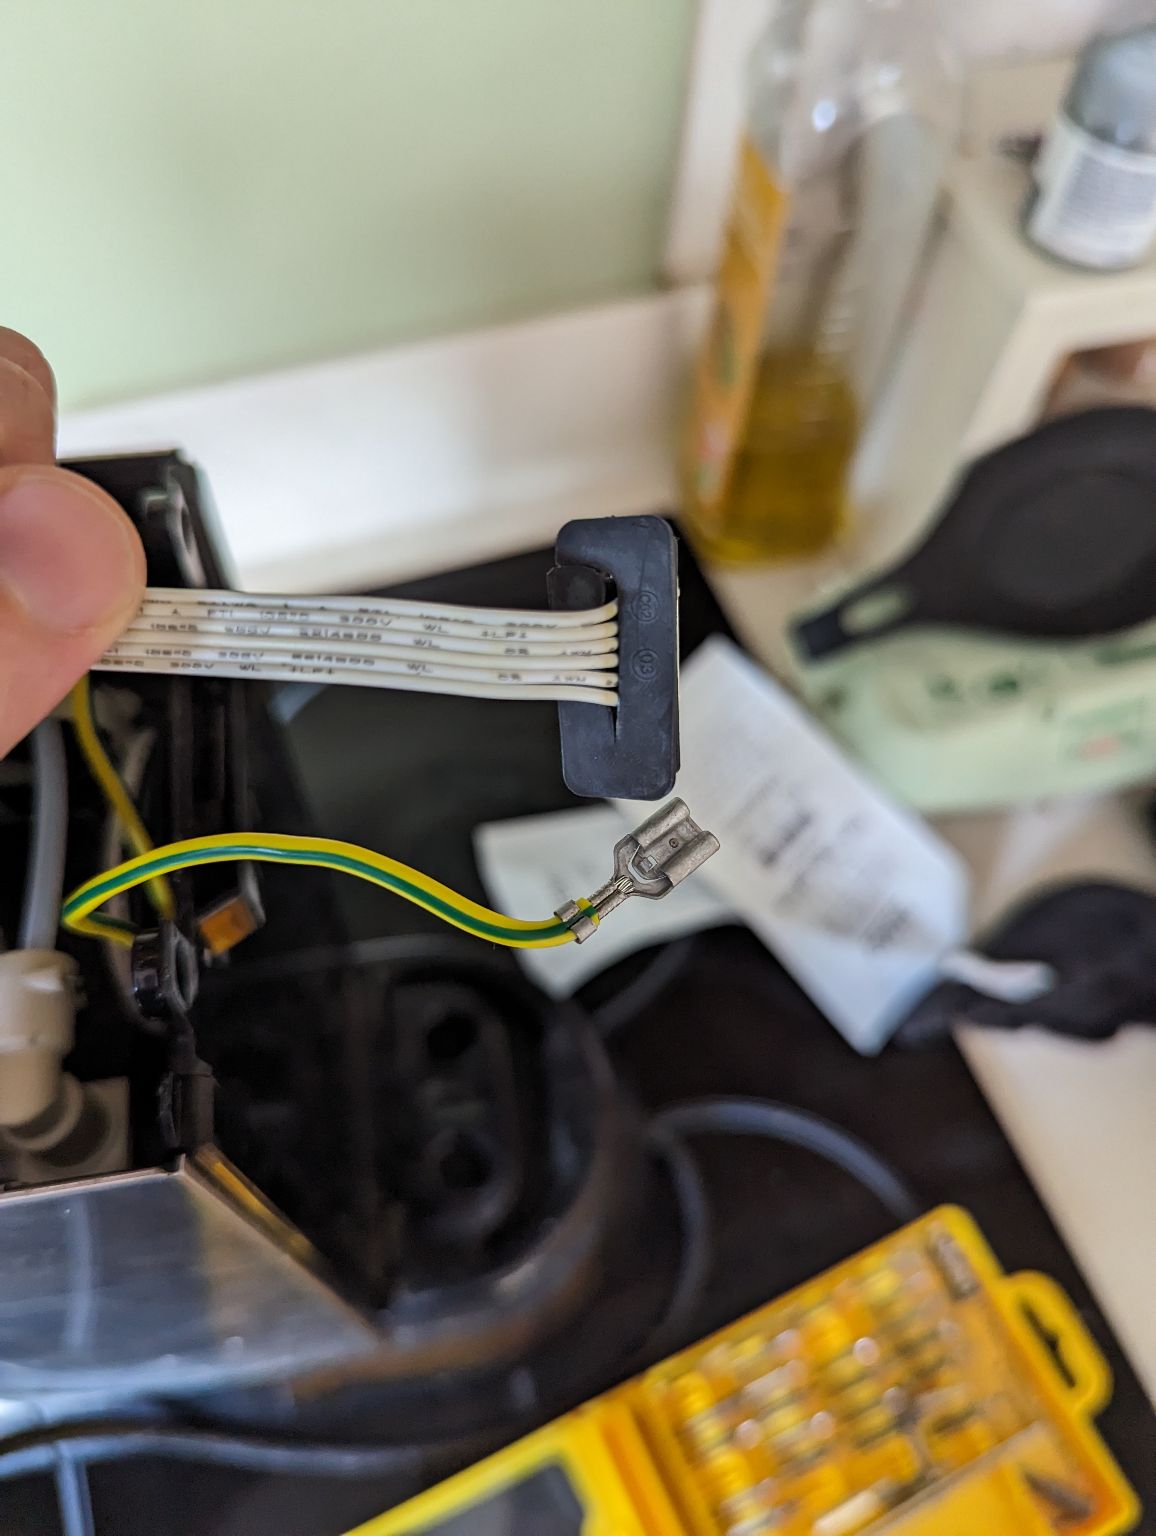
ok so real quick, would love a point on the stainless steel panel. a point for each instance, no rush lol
(160, 1282)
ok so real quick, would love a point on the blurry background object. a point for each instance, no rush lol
(994, 327)
(1022, 693)
(216, 191)
(1124, 374)
(851, 122)
(902, 1392)
(1094, 198)
(995, 323)
(1012, 653)
(1100, 941)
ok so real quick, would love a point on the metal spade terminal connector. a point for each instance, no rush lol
(650, 861)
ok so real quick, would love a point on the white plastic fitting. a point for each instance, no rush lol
(37, 1018)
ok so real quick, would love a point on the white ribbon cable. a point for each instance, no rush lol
(372, 623)
(482, 685)
(221, 648)
(370, 659)
(376, 642)
(194, 629)
(180, 600)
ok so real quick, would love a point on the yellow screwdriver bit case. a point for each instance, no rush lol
(905, 1391)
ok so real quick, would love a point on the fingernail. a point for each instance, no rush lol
(66, 556)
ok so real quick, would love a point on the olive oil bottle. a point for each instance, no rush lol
(853, 110)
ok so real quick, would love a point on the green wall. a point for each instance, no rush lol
(193, 189)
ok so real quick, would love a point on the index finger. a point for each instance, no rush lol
(27, 402)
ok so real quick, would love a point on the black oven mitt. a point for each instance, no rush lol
(1099, 939)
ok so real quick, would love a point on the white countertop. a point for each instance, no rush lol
(381, 467)
(1081, 1115)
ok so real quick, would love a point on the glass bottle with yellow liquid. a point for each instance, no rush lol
(853, 115)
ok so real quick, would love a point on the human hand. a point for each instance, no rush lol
(71, 565)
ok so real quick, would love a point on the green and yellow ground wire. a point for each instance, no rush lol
(101, 767)
(80, 911)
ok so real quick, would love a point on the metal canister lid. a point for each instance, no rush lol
(1113, 92)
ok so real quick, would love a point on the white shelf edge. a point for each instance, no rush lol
(394, 463)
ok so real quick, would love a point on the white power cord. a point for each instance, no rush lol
(375, 642)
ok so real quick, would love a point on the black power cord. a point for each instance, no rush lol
(797, 1128)
(87, 1441)
(659, 973)
(73, 1495)
(666, 1134)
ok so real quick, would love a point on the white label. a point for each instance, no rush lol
(531, 866)
(1095, 204)
(856, 897)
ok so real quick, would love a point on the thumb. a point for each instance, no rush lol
(71, 578)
